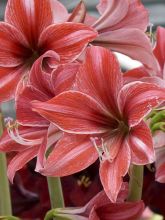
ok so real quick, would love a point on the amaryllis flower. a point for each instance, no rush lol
(31, 134)
(100, 208)
(143, 75)
(28, 32)
(120, 26)
(104, 119)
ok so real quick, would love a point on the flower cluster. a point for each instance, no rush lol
(74, 105)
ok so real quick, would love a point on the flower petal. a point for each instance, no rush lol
(137, 99)
(120, 211)
(136, 15)
(25, 115)
(141, 145)
(13, 46)
(74, 112)
(123, 41)
(78, 14)
(63, 77)
(160, 164)
(135, 74)
(112, 13)
(160, 46)
(40, 74)
(100, 77)
(142, 74)
(9, 79)
(71, 154)
(20, 160)
(67, 39)
(60, 13)
(52, 135)
(111, 173)
(30, 17)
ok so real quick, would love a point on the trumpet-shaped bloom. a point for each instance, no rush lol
(104, 119)
(159, 79)
(121, 28)
(32, 134)
(100, 208)
(30, 29)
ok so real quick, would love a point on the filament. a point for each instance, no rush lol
(101, 149)
(12, 129)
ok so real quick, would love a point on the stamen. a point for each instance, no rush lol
(84, 181)
(98, 149)
(151, 35)
(102, 150)
(12, 129)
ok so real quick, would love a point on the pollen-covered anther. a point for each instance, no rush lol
(10, 123)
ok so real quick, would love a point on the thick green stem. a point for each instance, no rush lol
(55, 192)
(135, 183)
(5, 200)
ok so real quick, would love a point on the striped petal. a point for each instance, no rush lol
(123, 41)
(101, 78)
(111, 173)
(74, 112)
(159, 50)
(71, 154)
(67, 39)
(13, 46)
(20, 160)
(30, 17)
(141, 145)
(9, 79)
(137, 99)
(63, 77)
(25, 115)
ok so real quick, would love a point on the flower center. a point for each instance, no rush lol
(118, 129)
(34, 56)
(123, 127)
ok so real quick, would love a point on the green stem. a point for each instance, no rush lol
(5, 200)
(135, 183)
(52, 214)
(55, 192)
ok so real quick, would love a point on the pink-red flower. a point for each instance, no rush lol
(31, 28)
(103, 118)
(120, 26)
(32, 134)
(100, 208)
(143, 75)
